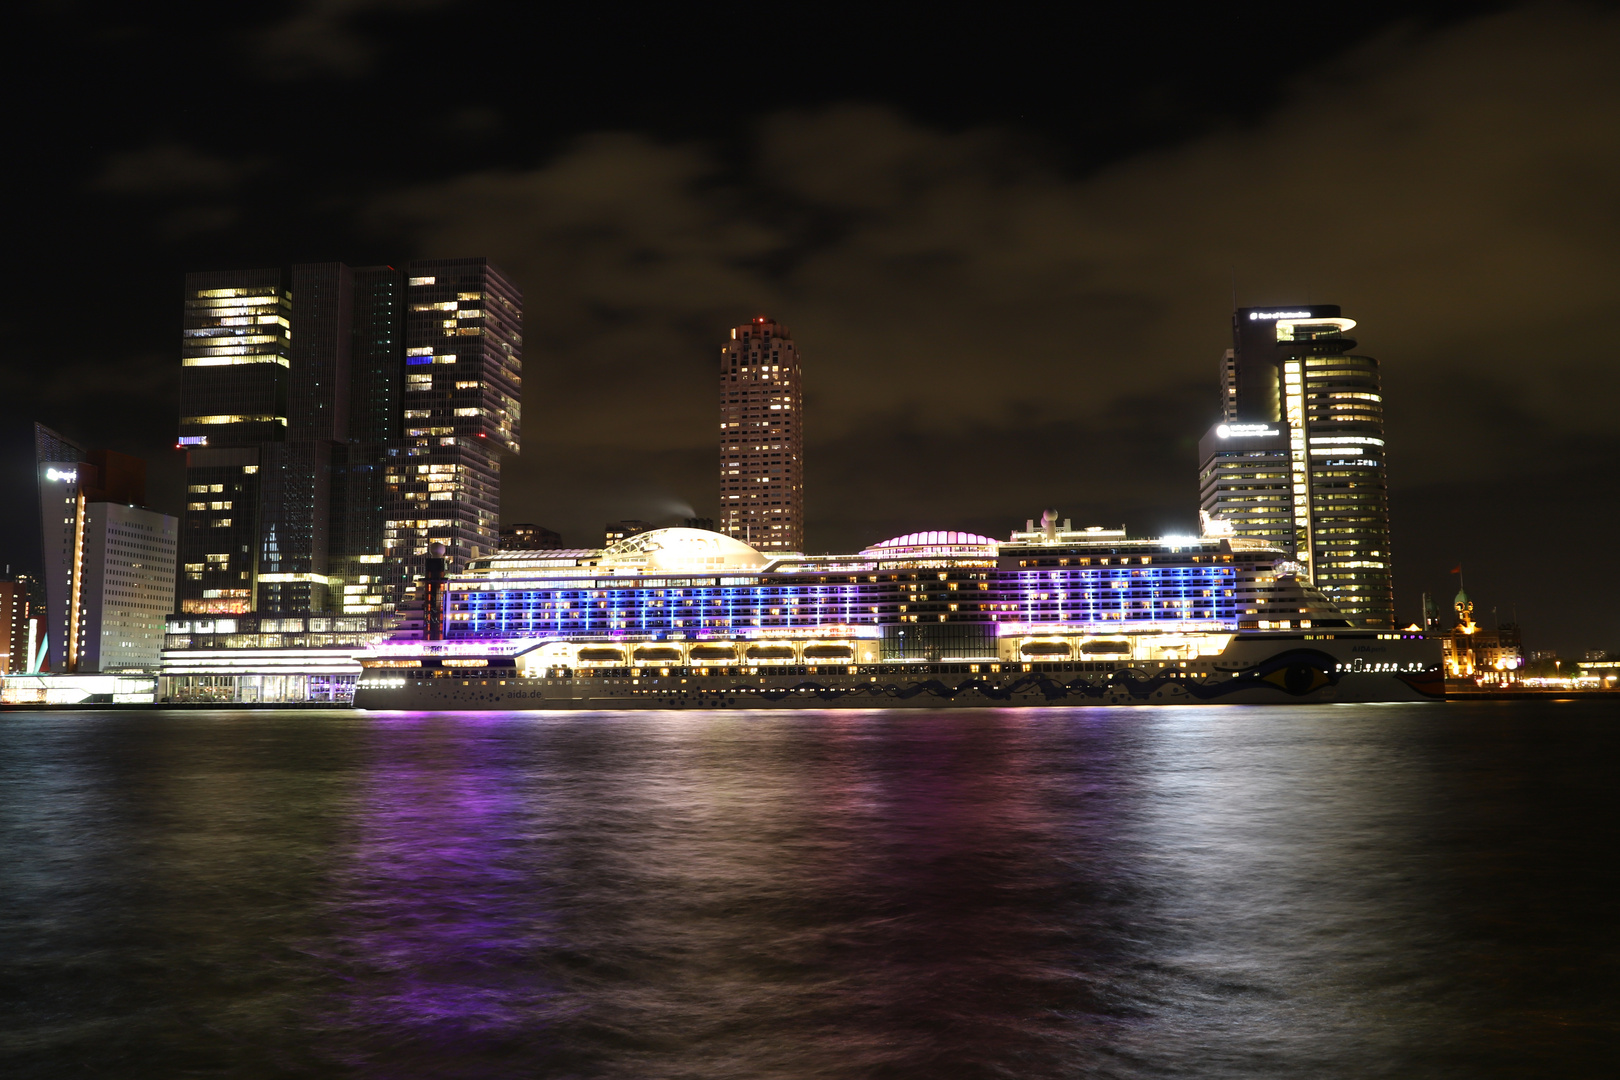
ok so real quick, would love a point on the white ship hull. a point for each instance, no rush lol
(1253, 669)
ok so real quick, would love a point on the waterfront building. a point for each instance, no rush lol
(614, 531)
(109, 561)
(1297, 459)
(1469, 650)
(257, 659)
(129, 560)
(14, 617)
(522, 536)
(762, 437)
(22, 617)
(89, 688)
(337, 421)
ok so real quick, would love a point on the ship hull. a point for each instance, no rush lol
(1249, 672)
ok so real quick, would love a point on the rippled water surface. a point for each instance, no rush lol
(1334, 891)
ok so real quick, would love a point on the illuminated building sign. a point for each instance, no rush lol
(70, 476)
(1268, 316)
(1245, 431)
(193, 440)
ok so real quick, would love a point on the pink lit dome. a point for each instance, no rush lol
(940, 539)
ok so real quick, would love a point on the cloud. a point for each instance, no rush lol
(1452, 190)
(320, 38)
(169, 168)
(476, 121)
(196, 220)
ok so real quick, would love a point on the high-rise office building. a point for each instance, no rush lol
(337, 422)
(1244, 481)
(20, 623)
(1297, 458)
(463, 373)
(762, 437)
(109, 561)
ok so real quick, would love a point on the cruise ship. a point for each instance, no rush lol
(1053, 616)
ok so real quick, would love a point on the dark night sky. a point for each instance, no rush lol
(1006, 243)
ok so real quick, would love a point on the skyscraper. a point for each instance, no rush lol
(762, 438)
(109, 561)
(21, 620)
(463, 373)
(337, 421)
(1297, 458)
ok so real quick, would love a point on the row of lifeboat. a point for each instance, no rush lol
(1063, 650)
(664, 653)
(654, 653)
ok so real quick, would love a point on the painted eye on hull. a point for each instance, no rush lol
(1298, 678)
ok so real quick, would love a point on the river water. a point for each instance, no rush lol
(1228, 891)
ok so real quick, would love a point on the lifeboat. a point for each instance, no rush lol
(829, 652)
(1058, 649)
(770, 652)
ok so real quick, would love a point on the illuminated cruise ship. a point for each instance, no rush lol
(1052, 616)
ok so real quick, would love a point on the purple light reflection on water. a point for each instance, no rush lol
(744, 890)
(440, 916)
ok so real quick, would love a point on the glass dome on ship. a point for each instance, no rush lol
(683, 551)
(935, 543)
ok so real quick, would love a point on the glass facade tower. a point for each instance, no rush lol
(463, 375)
(295, 418)
(1298, 458)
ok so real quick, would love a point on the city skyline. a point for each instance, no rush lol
(1006, 293)
(1320, 325)
(696, 541)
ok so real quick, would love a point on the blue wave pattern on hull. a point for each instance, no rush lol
(1295, 673)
